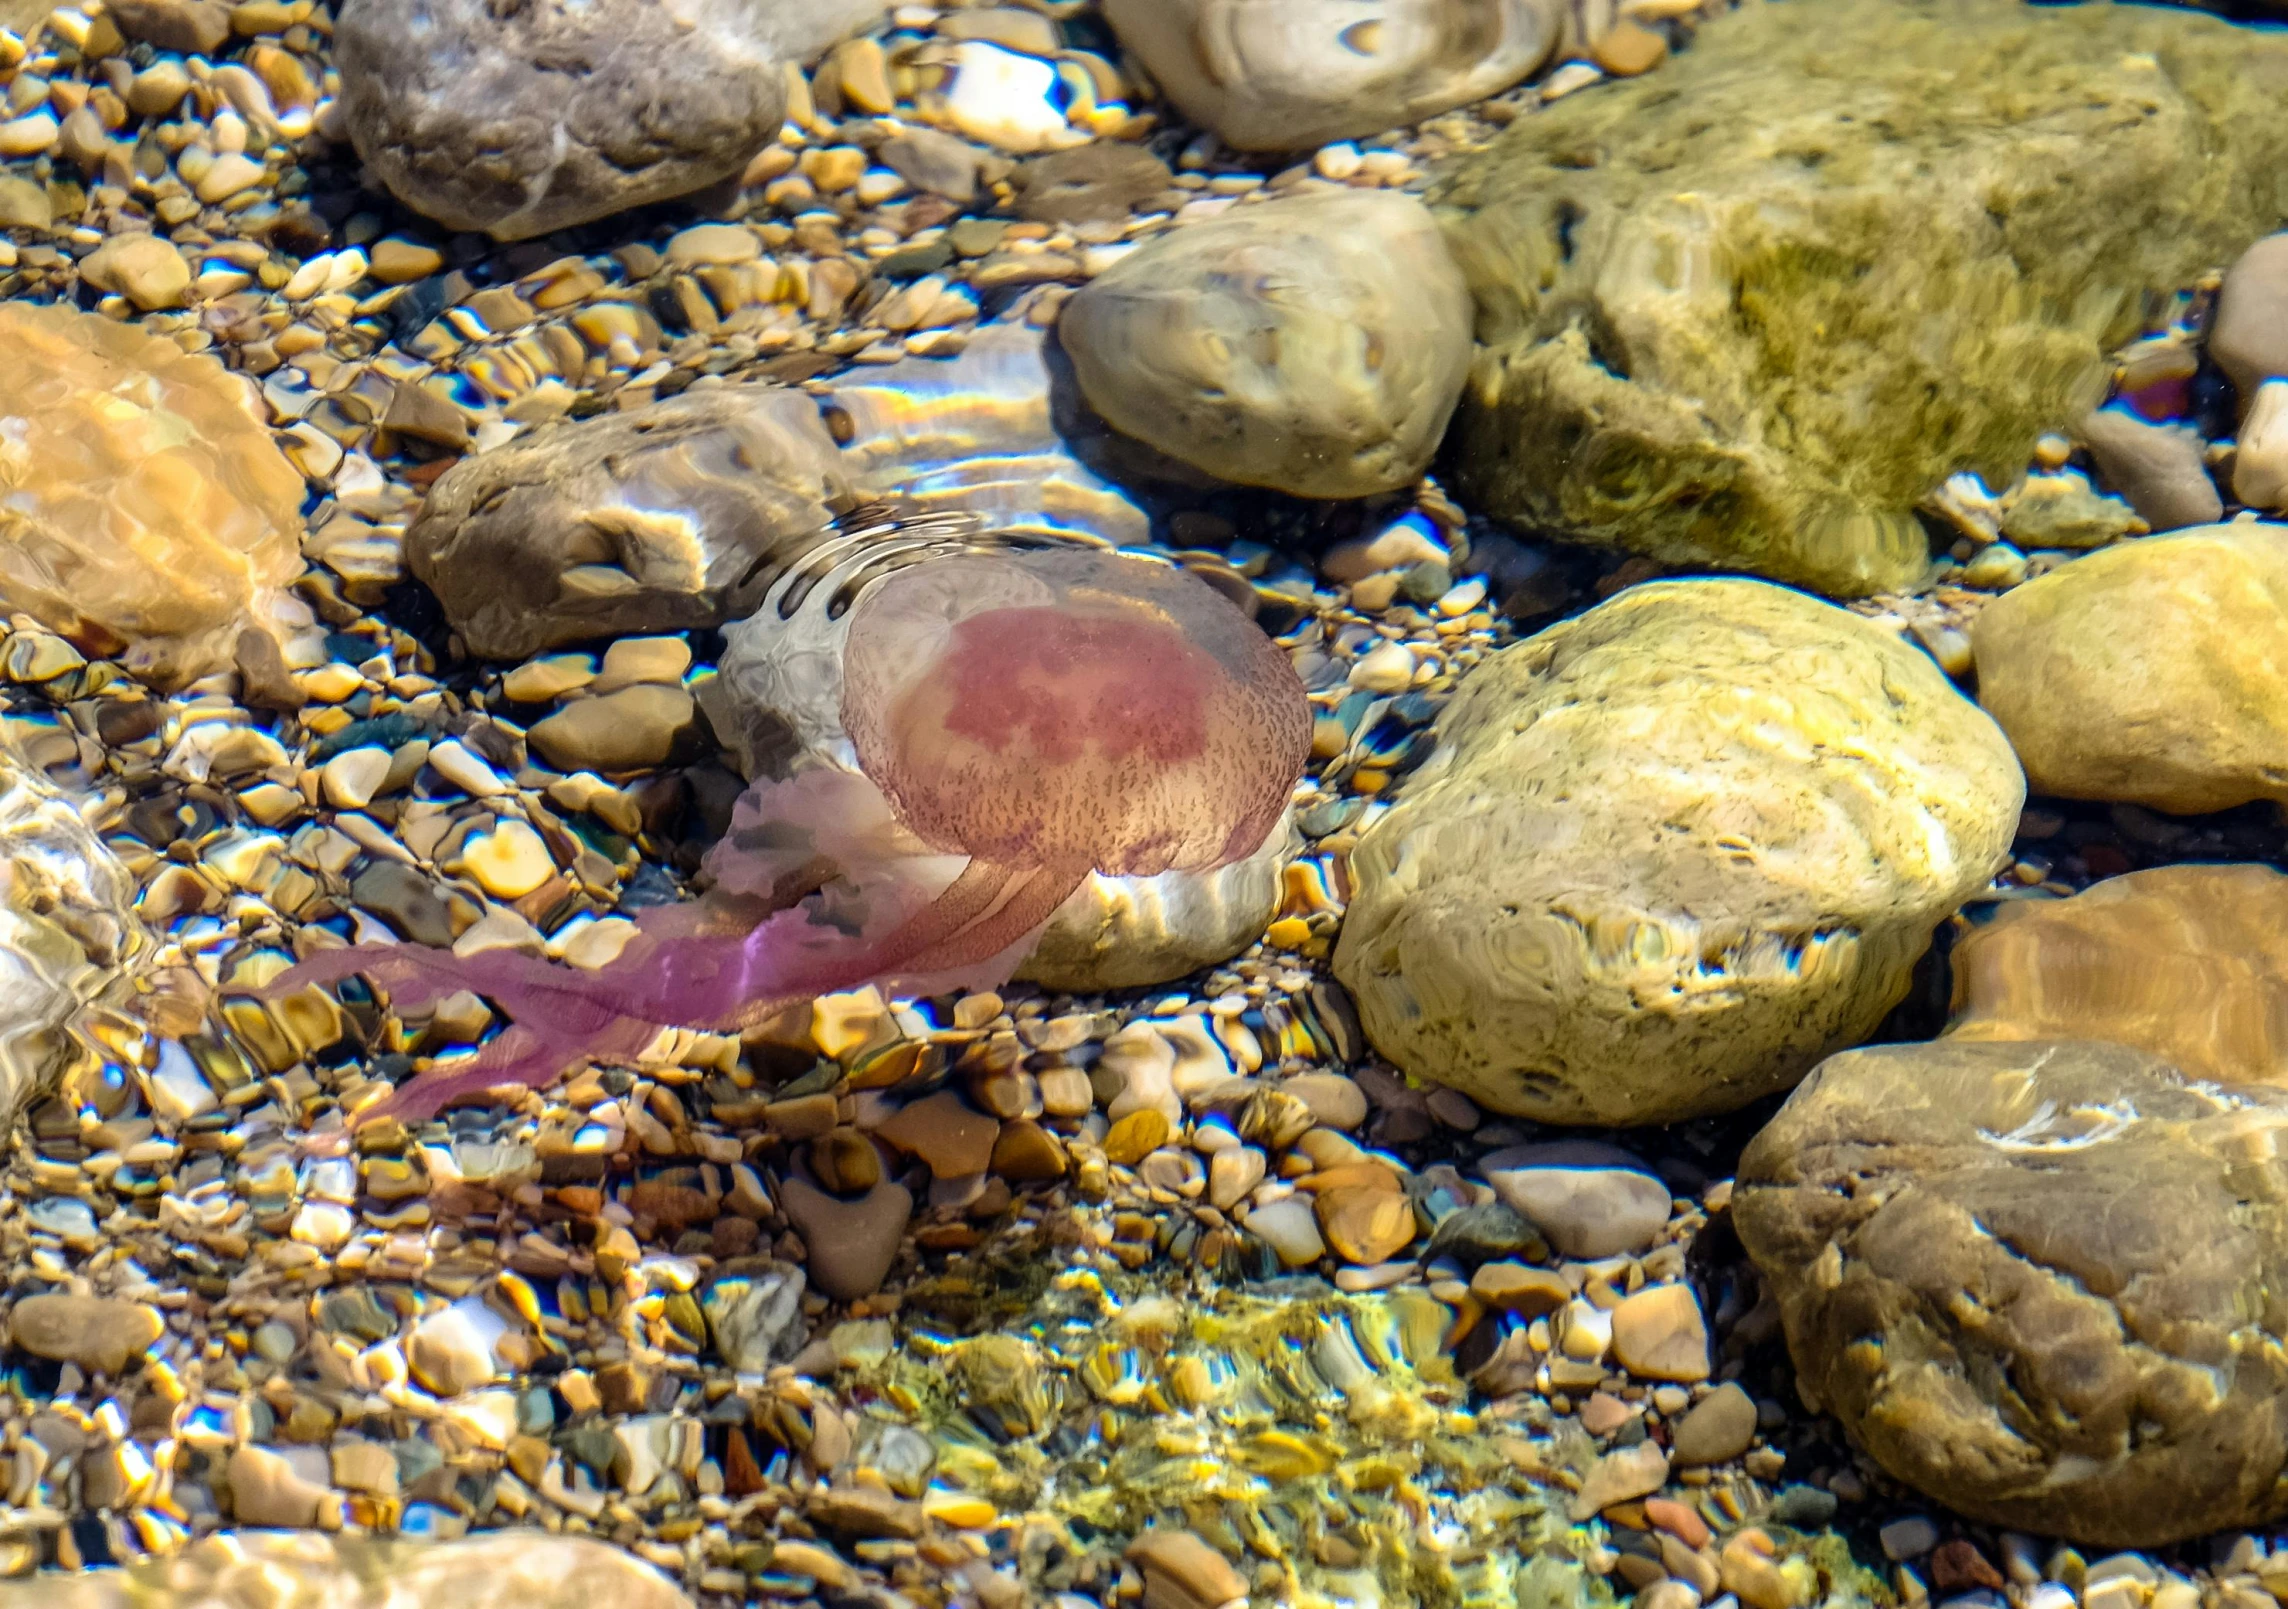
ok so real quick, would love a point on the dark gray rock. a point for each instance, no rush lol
(517, 117)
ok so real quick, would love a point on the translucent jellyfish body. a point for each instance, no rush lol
(145, 511)
(1019, 720)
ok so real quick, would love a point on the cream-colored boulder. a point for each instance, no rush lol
(2149, 673)
(1315, 344)
(1285, 75)
(1670, 853)
(521, 1569)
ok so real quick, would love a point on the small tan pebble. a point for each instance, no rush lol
(1181, 1571)
(1232, 1174)
(1604, 1413)
(862, 73)
(1135, 1137)
(394, 260)
(450, 1352)
(539, 681)
(508, 862)
(1630, 1472)
(416, 411)
(1997, 567)
(266, 1490)
(1386, 668)
(1364, 1224)
(158, 89)
(1291, 1229)
(709, 243)
(362, 1465)
(1629, 48)
(99, 1333)
(1027, 1153)
(466, 770)
(351, 779)
(944, 1132)
(630, 730)
(1659, 1334)
(331, 684)
(145, 269)
(1519, 1288)
(1718, 1428)
(1337, 161)
(633, 661)
(24, 204)
(835, 168)
(230, 175)
(28, 135)
(1334, 1100)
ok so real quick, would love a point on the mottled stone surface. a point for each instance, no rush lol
(520, 119)
(148, 513)
(2148, 673)
(649, 520)
(1286, 75)
(2189, 963)
(1314, 344)
(516, 1569)
(1750, 309)
(2041, 1282)
(1670, 853)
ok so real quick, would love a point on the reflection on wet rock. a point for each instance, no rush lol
(1926, 226)
(976, 433)
(1669, 853)
(148, 513)
(2147, 673)
(1285, 75)
(659, 519)
(2041, 1282)
(67, 931)
(2189, 963)
(1314, 345)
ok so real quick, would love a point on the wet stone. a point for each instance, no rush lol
(100, 1334)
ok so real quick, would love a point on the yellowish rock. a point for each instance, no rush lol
(2149, 672)
(508, 862)
(147, 512)
(1136, 1137)
(1660, 1334)
(145, 269)
(351, 778)
(1364, 1224)
(1669, 854)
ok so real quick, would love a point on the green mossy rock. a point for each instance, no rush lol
(1747, 311)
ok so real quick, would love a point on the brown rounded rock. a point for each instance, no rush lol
(1181, 1571)
(1716, 1429)
(851, 1243)
(1364, 1223)
(99, 1333)
(2115, 1379)
(1027, 1153)
(2187, 962)
(145, 269)
(633, 729)
(946, 1133)
(2249, 335)
(1660, 1334)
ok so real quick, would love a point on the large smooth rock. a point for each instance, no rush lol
(2249, 335)
(149, 513)
(664, 518)
(2189, 963)
(2148, 672)
(1286, 75)
(519, 119)
(1670, 853)
(1752, 308)
(2042, 1282)
(1314, 344)
(313, 1570)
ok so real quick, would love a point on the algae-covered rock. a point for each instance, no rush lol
(2148, 673)
(1670, 853)
(2041, 1282)
(1750, 309)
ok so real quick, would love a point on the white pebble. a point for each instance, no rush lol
(1291, 1229)
(351, 778)
(466, 770)
(1386, 669)
(1338, 161)
(1006, 100)
(28, 136)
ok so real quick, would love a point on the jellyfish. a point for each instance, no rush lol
(1019, 720)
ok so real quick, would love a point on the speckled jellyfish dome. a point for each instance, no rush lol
(1083, 707)
(144, 507)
